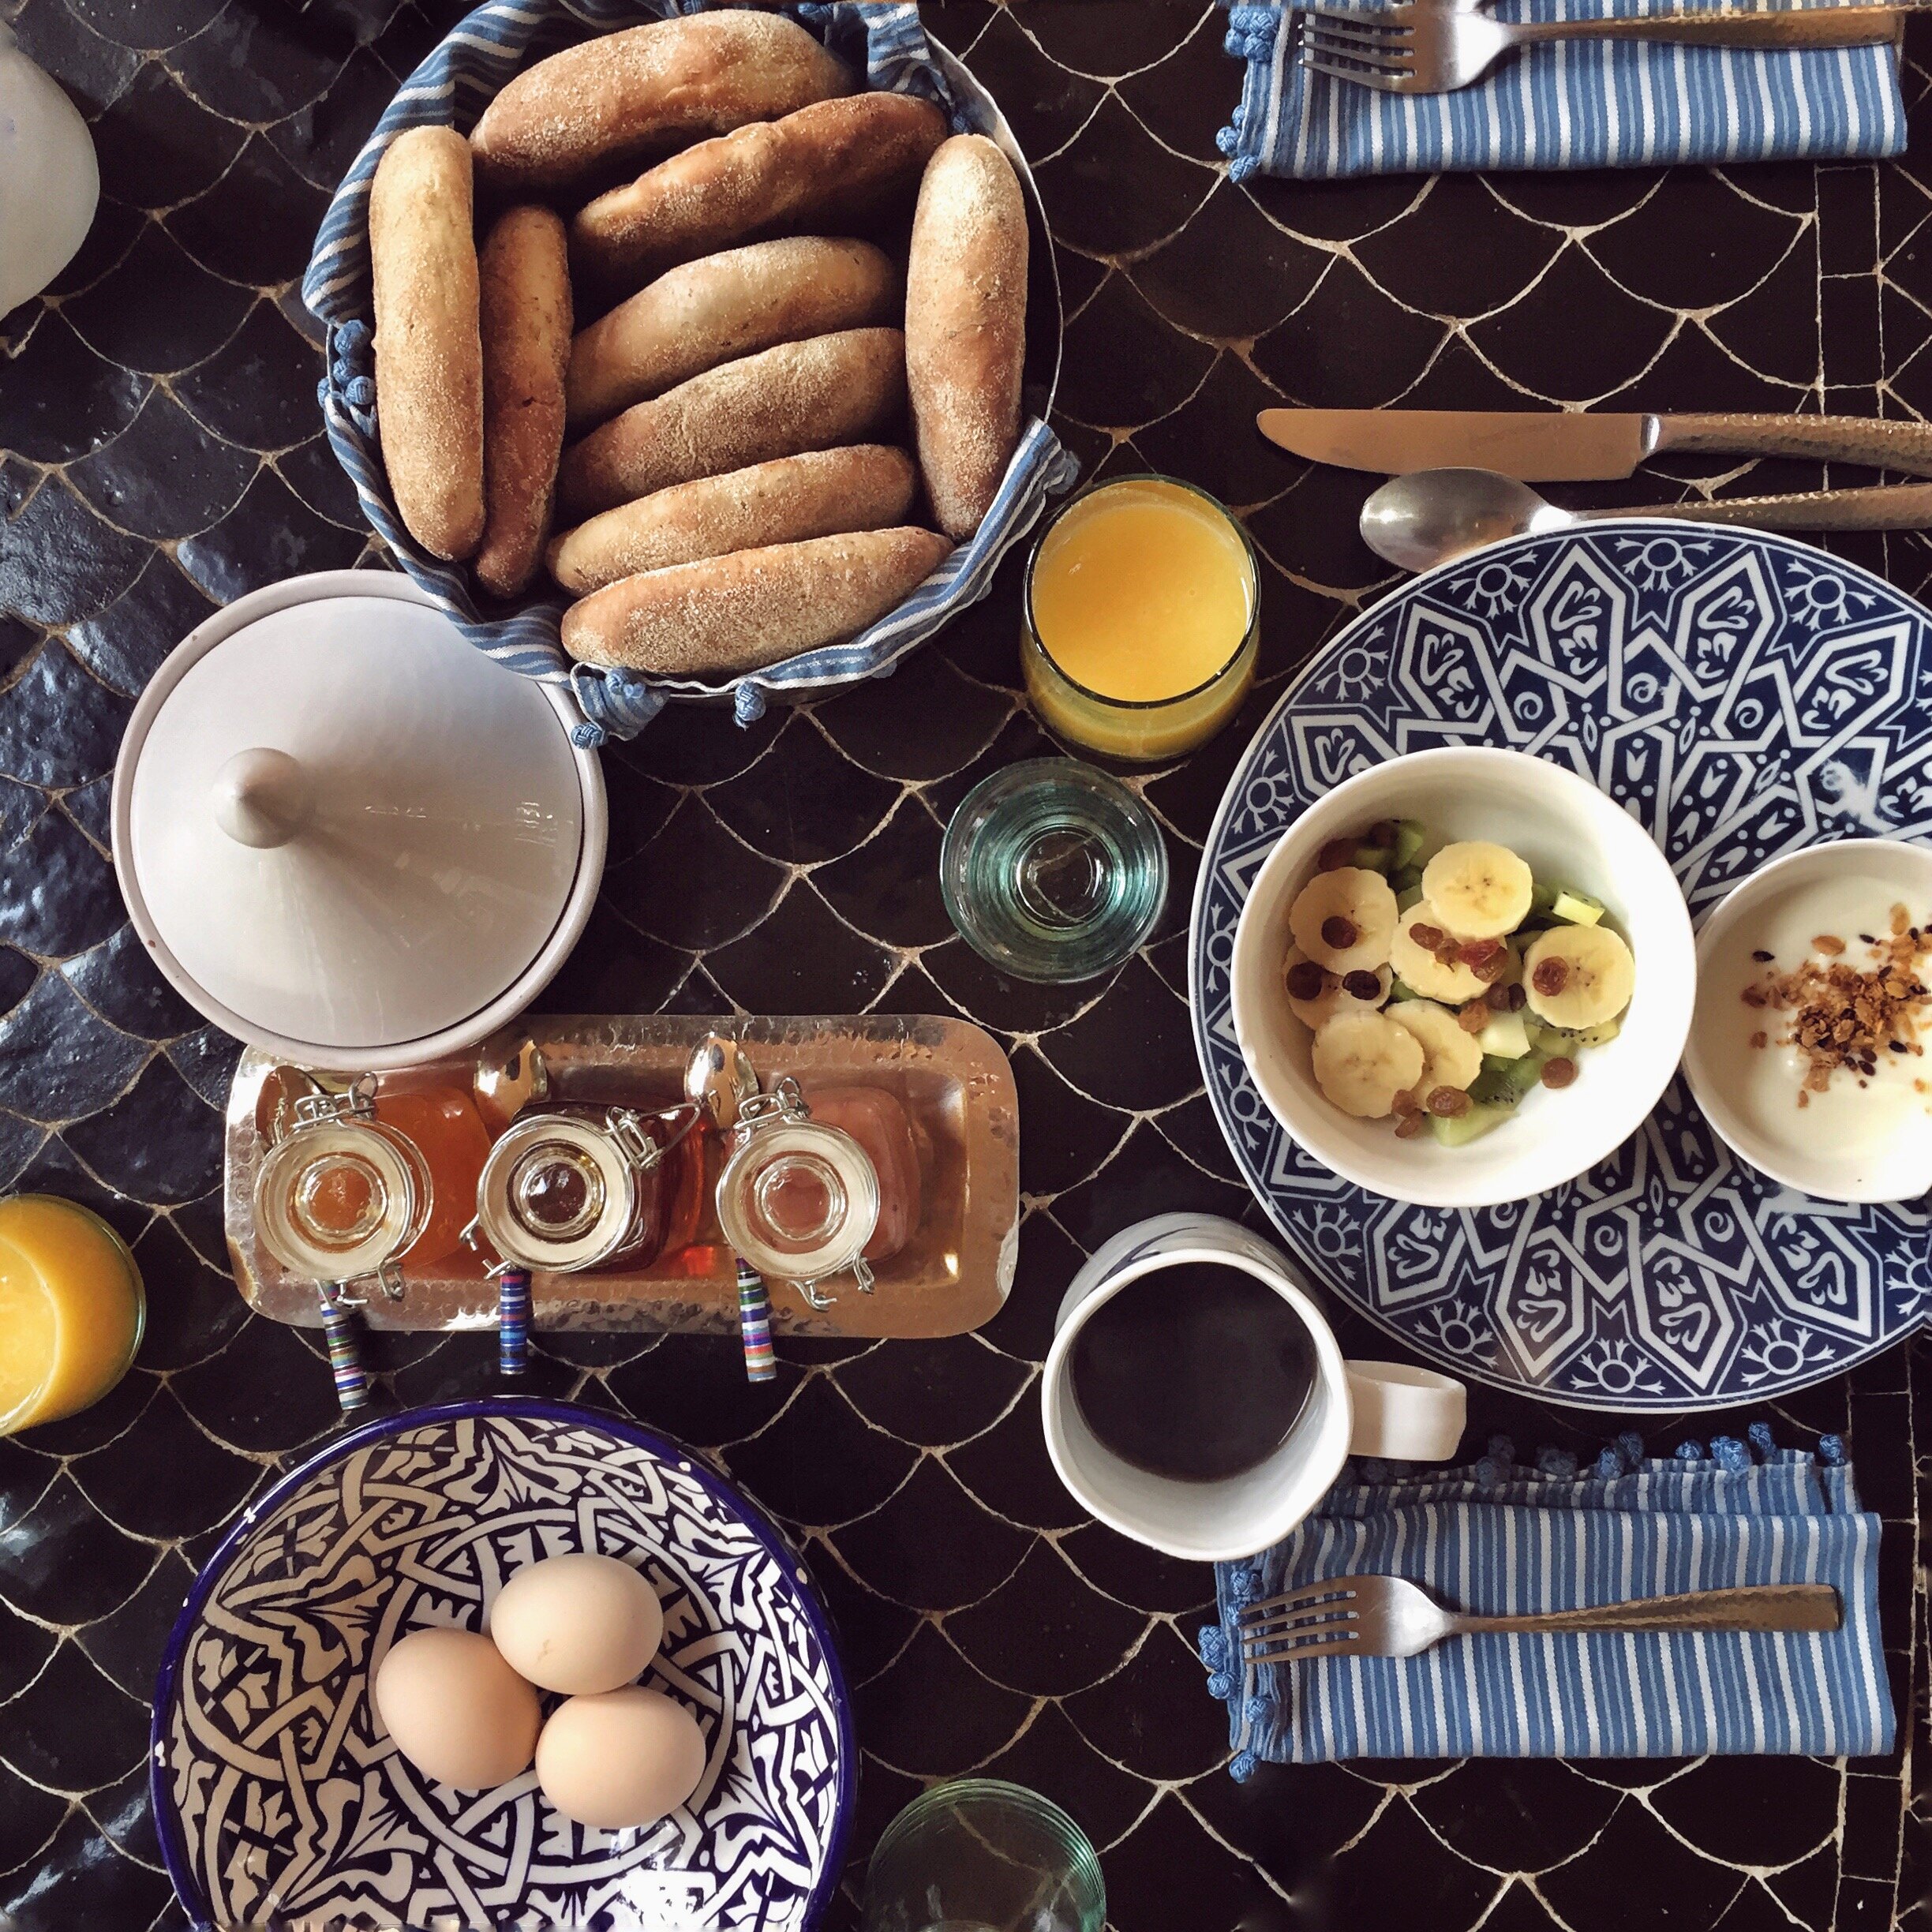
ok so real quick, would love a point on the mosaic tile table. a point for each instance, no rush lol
(160, 453)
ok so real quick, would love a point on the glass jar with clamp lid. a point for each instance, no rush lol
(584, 1187)
(798, 1200)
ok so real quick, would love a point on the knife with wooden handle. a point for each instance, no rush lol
(1559, 446)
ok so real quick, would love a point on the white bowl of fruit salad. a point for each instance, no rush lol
(1463, 978)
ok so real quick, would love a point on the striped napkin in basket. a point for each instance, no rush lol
(1496, 1538)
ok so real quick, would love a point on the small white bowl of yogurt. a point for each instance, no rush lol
(1843, 1121)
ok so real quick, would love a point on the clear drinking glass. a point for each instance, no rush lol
(1053, 870)
(977, 1855)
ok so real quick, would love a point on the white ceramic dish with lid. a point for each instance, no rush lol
(344, 835)
(1568, 832)
(1858, 1140)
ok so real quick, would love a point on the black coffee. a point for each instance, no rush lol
(1197, 1371)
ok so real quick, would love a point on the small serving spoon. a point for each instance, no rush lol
(1430, 516)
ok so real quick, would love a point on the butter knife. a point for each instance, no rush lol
(1559, 446)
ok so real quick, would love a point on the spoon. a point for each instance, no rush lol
(1430, 516)
(718, 1080)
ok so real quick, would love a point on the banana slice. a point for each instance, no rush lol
(1343, 920)
(1335, 997)
(1481, 890)
(1418, 968)
(1450, 1056)
(1364, 1060)
(1577, 976)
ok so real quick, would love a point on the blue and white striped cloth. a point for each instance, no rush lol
(1496, 1539)
(1573, 105)
(881, 38)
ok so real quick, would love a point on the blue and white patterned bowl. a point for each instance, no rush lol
(276, 1797)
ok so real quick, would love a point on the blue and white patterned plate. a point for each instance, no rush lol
(276, 1796)
(1742, 695)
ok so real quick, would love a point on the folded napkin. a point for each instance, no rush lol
(1573, 105)
(1495, 1539)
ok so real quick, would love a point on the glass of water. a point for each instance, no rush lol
(1053, 871)
(977, 1855)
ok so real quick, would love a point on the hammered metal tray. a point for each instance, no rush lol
(952, 1077)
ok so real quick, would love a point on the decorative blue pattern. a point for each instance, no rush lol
(1501, 1541)
(1575, 104)
(275, 1795)
(1744, 696)
(881, 38)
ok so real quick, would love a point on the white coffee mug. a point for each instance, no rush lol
(1370, 1409)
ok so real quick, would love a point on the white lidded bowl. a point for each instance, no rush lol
(1568, 832)
(346, 836)
(1891, 1165)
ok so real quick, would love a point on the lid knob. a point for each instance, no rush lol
(262, 797)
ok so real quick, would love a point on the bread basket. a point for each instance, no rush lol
(883, 41)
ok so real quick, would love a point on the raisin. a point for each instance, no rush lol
(1428, 937)
(1448, 1102)
(1406, 1103)
(1551, 976)
(1362, 986)
(1336, 854)
(1383, 833)
(1409, 1125)
(1558, 1072)
(1474, 952)
(1474, 1017)
(1497, 998)
(1763, 958)
(1306, 980)
(1339, 932)
(1494, 966)
(1517, 998)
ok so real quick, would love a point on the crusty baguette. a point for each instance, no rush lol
(526, 336)
(754, 608)
(842, 388)
(965, 326)
(818, 168)
(725, 306)
(616, 96)
(820, 493)
(428, 351)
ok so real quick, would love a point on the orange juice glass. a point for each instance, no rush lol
(1141, 620)
(72, 1309)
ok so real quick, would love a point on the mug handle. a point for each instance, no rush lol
(1405, 1414)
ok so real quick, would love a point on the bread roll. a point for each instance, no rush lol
(817, 168)
(820, 493)
(965, 327)
(429, 352)
(730, 305)
(617, 96)
(754, 608)
(525, 306)
(843, 388)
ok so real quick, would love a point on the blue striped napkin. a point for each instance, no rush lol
(881, 38)
(1494, 1538)
(1579, 105)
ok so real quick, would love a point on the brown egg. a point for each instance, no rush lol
(577, 1624)
(622, 1758)
(456, 1711)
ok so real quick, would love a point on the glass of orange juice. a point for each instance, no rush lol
(72, 1309)
(1142, 619)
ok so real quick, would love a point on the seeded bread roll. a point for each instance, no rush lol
(820, 493)
(727, 305)
(808, 396)
(732, 614)
(818, 168)
(965, 327)
(429, 352)
(526, 335)
(615, 97)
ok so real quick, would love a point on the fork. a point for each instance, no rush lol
(1427, 46)
(1387, 1617)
